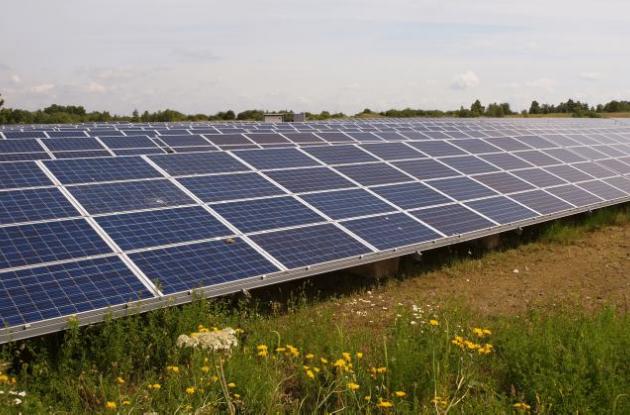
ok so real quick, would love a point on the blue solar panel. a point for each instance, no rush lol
(48, 241)
(141, 141)
(34, 204)
(437, 148)
(461, 188)
(263, 214)
(564, 155)
(502, 210)
(411, 195)
(227, 139)
(162, 227)
(198, 163)
(23, 156)
(336, 137)
(426, 169)
(574, 195)
(303, 138)
(537, 158)
(535, 141)
(101, 170)
(569, 173)
(270, 138)
(508, 144)
(503, 182)
(347, 203)
(594, 170)
(476, 146)
(14, 175)
(620, 183)
(374, 174)
(276, 158)
(452, 219)
(24, 134)
(392, 151)
(72, 144)
(46, 292)
(67, 133)
(339, 154)
(309, 245)
(468, 164)
(538, 177)
(230, 187)
(118, 197)
(137, 151)
(193, 266)
(541, 202)
(81, 154)
(185, 140)
(20, 146)
(390, 231)
(309, 180)
(505, 161)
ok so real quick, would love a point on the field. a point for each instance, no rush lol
(540, 325)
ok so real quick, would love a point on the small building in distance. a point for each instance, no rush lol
(274, 118)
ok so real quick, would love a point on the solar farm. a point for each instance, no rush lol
(112, 219)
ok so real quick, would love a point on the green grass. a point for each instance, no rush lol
(569, 230)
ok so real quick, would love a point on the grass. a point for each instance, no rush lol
(564, 361)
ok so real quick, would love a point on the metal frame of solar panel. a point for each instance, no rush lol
(224, 217)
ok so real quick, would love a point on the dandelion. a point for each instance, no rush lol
(173, 369)
(231, 385)
(205, 369)
(191, 390)
(367, 398)
(485, 349)
(4, 378)
(120, 380)
(480, 332)
(293, 351)
(214, 378)
(323, 360)
(340, 363)
(359, 355)
(439, 401)
(281, 349)
(400, 394)
(262, 350)
(346, 356)
(111, 405)
(384, 404)
(310, 374)
(353, 386)
(316, 369)
(155, 386)
(434, 322)
(522, 406)
(237, 396)
(126, 402)
(309, 356)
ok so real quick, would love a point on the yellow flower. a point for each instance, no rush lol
(237, 396)
(281, 349)
(126, 402)
(323, 360)
(293, 351)
(522, 406)
(309, 356)
(214, 378)
(173, 369)
(400, 394)
(367, 398)
(120, 380)
(111, 405)
(4, 378)
(310, 374)
(204, 330)
(434, 322)
(439, 401)
(155, 386)
(315, 369)
(381, 370)
(346, 356)
(384, 404)
(191, 390)
(485, 349)
(231, 385)
(353, 386)
(205, 369)
(359, 355)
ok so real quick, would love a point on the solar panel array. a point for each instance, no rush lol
(104, 218)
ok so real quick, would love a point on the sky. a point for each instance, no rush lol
(204, 56)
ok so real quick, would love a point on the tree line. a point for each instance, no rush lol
(58, 114)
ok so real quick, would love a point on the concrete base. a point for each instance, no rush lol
(378, 270)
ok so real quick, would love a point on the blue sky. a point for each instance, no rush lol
(345, 55)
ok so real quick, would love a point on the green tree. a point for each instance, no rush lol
(534, 108)
(477, 109)
(135, 116)
(1, 101)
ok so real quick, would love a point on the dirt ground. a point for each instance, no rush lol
(589, 272)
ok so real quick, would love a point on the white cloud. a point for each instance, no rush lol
(95, 88)
(545, 84)
(590, 76)
(15, 79)
(466, 80)
(42, 88)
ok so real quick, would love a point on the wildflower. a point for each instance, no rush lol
(205, 369)
(353, 386)
(126, 402)
(214, 378)
(239, 331)
(384, 404)
(346, 356)
(231, 385)
(316, 369)
(310, 374)
(359, 355)
(262, 350)
(522, 406)
(111, 405)
(237, 396)
(439, 401)
(485, 349)
(309, 356)
(281, 349)
(434, 322)
(367, 398)
(323, 360)
(400, 394)
(155, 386)
(120, 380)
(191, 390)
(481, 333)
(293, 351)
(4, 378)
(173, 369)
(381, 370)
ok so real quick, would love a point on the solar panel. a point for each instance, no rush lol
(284, 201)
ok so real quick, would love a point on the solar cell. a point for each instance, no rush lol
(198, 163)
(502, 210)
(267, 138)
(461, 188)
(73, 171)
(263, 214)
(34, 204)
(276, 158)
(309, 245)
(437, 148)
(335, 137)
(508, 144)
(67, 133)
(24, 134)
(538, 177)
(594, 169)
(340, 154)
(537, 158)
(20, 146)
(541, 202)
(309, 180)
(503, 182)
(426, 169)
(14, 175)
(41, 293)
(120, 197)
(505, 161)
(476, 146)
(303, 138)
(230, 187)
(81, 154)
(620, 183)
(452, 219)
(392, 151)
(603, 190)
(468, 164)
(23, 156)
(228, 139)
(568, 173)
(574, 195)
(391, 231)
(162, 227)
(48, 241)
(72, 144)
(141, 141)
(411, 195)
(347, 203)
(185, 141)
(373, 174)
